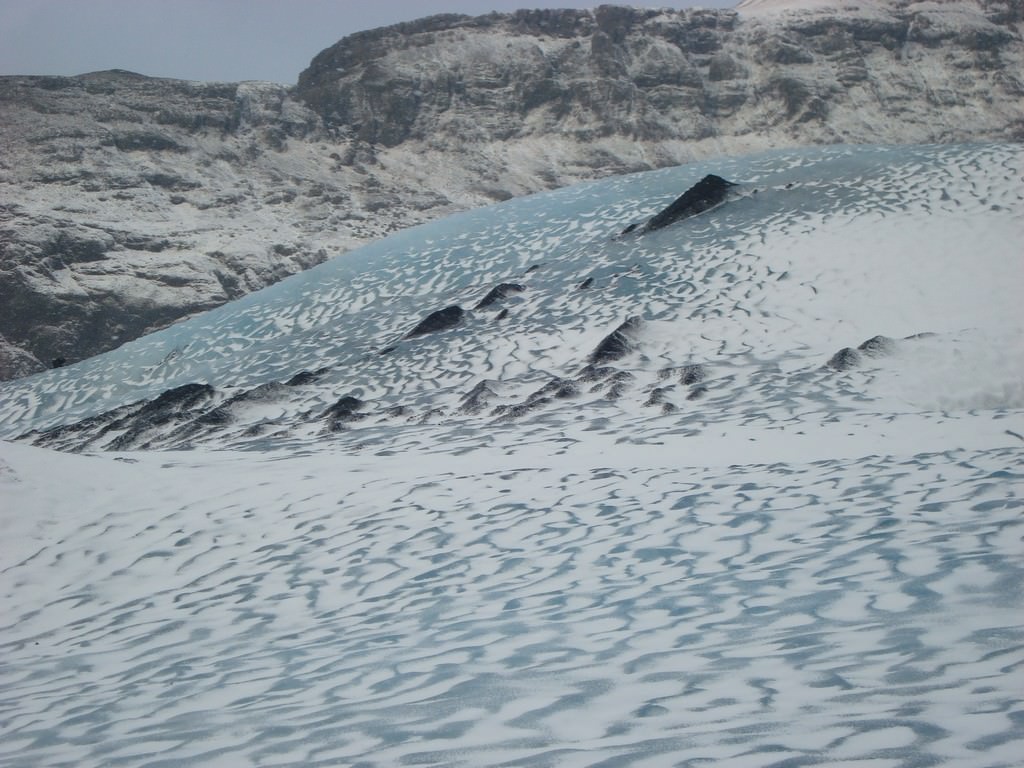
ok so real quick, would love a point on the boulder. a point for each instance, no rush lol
(845, 359)
(499, 293)
(705, 194)
(616, 344)
(441, 320)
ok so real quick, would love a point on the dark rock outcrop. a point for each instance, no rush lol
(617, 384)
(555, 389)
(16, 362)
(616, 344)
(696, 393)
(171, 404)
(477, 399)
(657, 396)
(878, 346)
(306, 377)
(499, 293)
(345, 410)
(689, 374)
(592, 373)
(441, 320)
(705, 194)
(845, 359)
(135, 425)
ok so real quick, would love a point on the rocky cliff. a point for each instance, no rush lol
(127, 202)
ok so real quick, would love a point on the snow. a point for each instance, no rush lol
(802, 566)
(765, 8)
(272, 609)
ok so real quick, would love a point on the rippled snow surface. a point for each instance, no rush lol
(777, 561)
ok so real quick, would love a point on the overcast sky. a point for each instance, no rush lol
(215, 39)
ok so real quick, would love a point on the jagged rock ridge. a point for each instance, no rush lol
(130, 201)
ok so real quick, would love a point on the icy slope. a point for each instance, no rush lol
(725, 535)
(729, 314)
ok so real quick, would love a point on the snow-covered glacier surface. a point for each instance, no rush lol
(777, 520)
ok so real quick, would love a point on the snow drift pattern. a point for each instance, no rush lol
(821, 250)
(777, 521)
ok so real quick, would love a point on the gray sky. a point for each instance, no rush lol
(216, 39)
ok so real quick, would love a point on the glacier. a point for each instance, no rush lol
(780, 525)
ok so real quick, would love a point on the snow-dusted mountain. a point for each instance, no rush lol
(128, 202)
(533, 486)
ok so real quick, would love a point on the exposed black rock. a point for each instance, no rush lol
(616, 344)
(217, 417)
(689, 374)
(705, 194)
(616, 385)
(697, 392)
(135, 425)
(172, 403)
(845, 359)
(878, 346)
(692, 374)
(433, 413)
(510, 412)
(657, 396)
(306, 377)
(441, 320)
(178, 405)
(225, 414)
(78, 435)
(591, 373)
(585, 284)
(502, 315)
(58, 362)
(263, 393)
(477, 399)
(345, 410)
(556, 389)
(620, 382)
(499, 293)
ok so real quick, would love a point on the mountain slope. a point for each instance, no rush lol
(130, 202)
(744, 489)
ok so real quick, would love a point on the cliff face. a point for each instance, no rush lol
(861, 72)
(128, 202)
